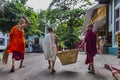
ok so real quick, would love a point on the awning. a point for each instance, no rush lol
(96, 15)
(99, 24)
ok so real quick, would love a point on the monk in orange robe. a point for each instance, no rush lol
(17, 41)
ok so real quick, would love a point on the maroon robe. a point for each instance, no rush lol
(91, 49)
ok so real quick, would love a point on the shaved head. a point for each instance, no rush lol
(22, 21)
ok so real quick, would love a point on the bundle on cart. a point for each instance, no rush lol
(68, 56)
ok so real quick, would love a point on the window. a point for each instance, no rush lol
(36, 40)
(118, 1)
(2, 41)
(117, 13)
(117, 26)
(117, 19)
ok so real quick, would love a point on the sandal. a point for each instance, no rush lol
(12, 69)
(92, 72)
(49, 67)
(53, 71)
(89, 68)
(21, 66)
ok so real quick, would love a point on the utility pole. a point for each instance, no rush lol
(45, 26)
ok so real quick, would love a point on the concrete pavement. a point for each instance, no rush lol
(36, 69)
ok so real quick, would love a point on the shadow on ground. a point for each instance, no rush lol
(47, 75)
(4, 73)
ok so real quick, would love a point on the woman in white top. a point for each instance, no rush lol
(50, 48)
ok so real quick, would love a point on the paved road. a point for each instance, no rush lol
(36, 69)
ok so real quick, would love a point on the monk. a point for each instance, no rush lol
(91, 48)
(50, 48)
(17, 41)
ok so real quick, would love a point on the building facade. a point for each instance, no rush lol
(113, 24)
(109, 10)
(113, 27)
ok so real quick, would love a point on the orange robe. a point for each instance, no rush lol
(17, 42)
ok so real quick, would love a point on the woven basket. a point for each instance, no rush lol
(68, 57)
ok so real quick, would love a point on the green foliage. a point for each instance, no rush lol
(69, 39)
(65, 19)
(11, 14)
(68, 18)
(13, 10)
(42, 16)
(33, 29)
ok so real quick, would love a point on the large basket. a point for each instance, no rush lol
(68, 57)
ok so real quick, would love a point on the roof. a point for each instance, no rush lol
(89, 15)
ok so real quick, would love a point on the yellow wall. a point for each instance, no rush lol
(98, 14)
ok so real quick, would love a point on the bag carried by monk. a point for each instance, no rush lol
(6, 54)
(5, 57)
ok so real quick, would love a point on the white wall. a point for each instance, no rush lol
(5, 37)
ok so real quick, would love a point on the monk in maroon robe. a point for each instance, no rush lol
(91, 48)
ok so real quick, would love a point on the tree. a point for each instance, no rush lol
(65, 14)
(11, 14)
(42, 20)
(70, 3)
(33, 16)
